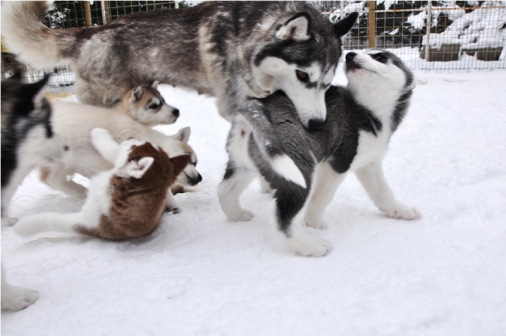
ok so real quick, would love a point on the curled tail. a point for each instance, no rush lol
(269, 143)
(30, 39)
(49, 221)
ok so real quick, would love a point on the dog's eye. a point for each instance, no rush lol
(380, 57)
(153, 107)
(302, 76)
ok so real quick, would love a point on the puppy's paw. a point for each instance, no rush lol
(173, 209)
(9, 221)
(399, 210)
(309, 246)
(241, 216)
(316, 224)
(17, 298)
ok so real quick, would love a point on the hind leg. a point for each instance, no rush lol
(16, 298)
(290, 200)
(235, 181)
(56, 177)
(327, 182)
(374, 182)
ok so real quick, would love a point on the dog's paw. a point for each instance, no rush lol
(9, 221)
(173, 209)
(241, 216)
(316, 224)
(17, 298)
(402, 211)
(309, 246)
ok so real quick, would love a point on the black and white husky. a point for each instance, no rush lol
(230, 50)
(27, 141)
(266, 138)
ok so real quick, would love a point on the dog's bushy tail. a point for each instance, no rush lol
(30, 39)
(49, 221)
(269, 143)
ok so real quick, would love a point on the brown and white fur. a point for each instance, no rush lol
(73, 122)
(124, 202)
(146, 105)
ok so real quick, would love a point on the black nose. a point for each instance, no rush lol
(350, 56)
(316, 124)
(65, 148)
(175, 113)
(194, 181)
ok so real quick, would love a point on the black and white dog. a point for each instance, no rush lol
(266, 138)
(28, 141)
(227, 49)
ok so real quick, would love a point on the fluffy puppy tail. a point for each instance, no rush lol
(49, 221)
(269, 143)
(30, 39)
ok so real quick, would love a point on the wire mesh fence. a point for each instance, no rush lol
(442, 35)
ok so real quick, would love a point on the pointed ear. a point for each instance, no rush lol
(342, 27)
(136, 169)
(36, 90)
(183, 135)
(179, 163)
(137, 93)
(297, 28)
(155, 84)
(17, 75)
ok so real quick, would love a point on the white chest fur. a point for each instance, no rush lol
(371, 148)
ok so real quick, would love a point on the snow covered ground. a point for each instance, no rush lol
(200, 274)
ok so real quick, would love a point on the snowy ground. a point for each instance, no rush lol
(200, 274)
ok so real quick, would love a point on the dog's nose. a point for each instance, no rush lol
(197, 180)
(316, 124)
(350, 56)
(65, 148)
(175, 113)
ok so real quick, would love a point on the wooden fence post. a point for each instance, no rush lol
(372, 24)
(87, 13)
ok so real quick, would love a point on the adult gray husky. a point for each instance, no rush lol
(266, 138)
(230, 50)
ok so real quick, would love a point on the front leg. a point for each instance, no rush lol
(327, 182)
(105, 144)
(16, 298)
(172, 205)
(374, 182)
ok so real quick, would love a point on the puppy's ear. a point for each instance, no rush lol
(344, 26)
(17, 75)
(136, 169)
(137, 93)
(183, 135)
(296, 28)
(179, 163)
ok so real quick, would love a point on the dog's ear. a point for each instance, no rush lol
(342, 27)
(155, 84)
(137, 93)
(179, 163)
(36, 90)
(296, 28)
(183, 135)
(136, 169)
(17, 75)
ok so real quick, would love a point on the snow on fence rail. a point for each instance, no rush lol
(443, 35)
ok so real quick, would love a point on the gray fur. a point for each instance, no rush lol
(214, 47)
(272, 128)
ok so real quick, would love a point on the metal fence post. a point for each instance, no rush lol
(372, 24)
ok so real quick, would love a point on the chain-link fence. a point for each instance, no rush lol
(462, 34)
